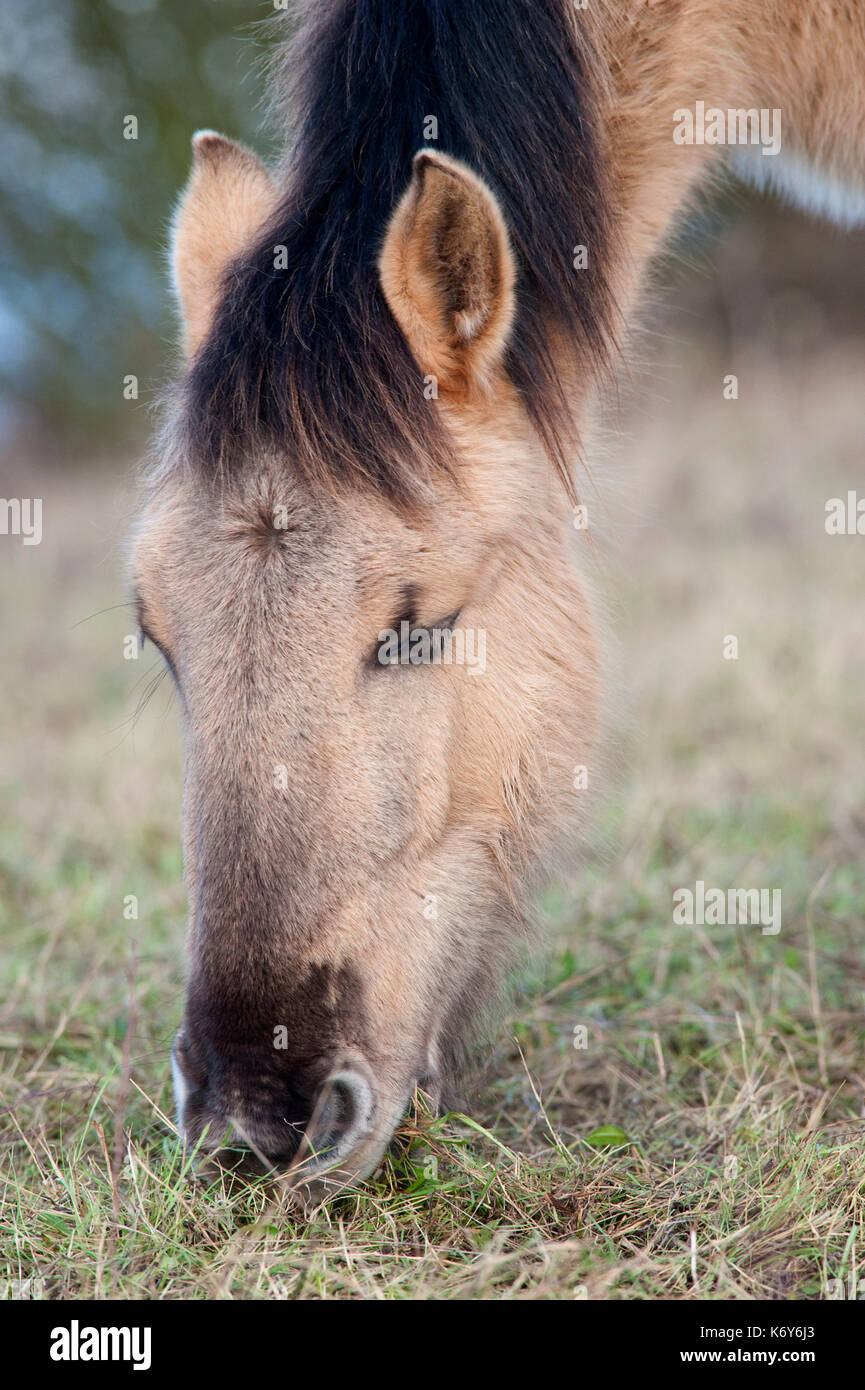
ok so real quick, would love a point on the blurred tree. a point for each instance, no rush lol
(84, 208)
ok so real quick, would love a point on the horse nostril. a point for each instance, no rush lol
(342, 1118)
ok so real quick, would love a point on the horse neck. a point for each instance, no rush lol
(665, 55)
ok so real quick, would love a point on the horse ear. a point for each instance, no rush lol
(229, 195)
(447, 271)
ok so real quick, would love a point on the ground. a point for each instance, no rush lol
(723, 1067)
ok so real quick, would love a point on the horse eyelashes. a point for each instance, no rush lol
(406, 644)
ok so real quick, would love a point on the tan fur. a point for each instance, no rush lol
(487, 773)
(805, 57)
(228, 196)
(448, 273)
(407, 788)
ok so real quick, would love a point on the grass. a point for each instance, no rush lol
(728, 1064)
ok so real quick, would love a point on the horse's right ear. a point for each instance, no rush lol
(228, 197)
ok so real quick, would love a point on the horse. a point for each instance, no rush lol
(395, 344)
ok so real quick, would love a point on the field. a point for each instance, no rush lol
(707, 1141)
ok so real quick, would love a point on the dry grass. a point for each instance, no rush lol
(730, 1061)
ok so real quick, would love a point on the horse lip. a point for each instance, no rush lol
(342, 1125)
(181, 1085)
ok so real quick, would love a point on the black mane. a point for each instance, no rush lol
(309, 360)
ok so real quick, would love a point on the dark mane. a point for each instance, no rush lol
(308, 360)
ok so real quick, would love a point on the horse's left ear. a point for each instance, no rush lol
(228, 197)
(447, 271)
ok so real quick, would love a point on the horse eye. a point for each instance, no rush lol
(395, 645)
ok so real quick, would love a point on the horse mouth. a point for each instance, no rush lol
(339, 1144)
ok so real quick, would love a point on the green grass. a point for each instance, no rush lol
(729, 1064)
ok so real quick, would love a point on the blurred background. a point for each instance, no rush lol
(86, 194)
(712, 516)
